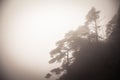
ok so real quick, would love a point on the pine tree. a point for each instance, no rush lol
(73, 42)
(91, 19)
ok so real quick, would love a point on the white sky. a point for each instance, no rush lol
(30, 29)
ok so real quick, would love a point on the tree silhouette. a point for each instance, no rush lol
(74, 42)
(92, 19)
(67, 46)
(111, 25)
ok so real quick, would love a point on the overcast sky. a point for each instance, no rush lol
(30, 29)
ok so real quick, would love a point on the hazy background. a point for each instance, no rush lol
(30, 28)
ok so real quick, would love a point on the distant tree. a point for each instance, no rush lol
(91, 20)
(111, 25)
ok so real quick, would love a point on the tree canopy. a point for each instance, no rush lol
(82, 53)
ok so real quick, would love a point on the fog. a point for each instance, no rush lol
(30, 29)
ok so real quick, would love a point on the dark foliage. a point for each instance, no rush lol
(92, 59)
(98, 61)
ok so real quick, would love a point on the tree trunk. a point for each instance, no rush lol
(96, 31)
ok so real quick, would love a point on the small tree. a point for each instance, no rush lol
(91, 19)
